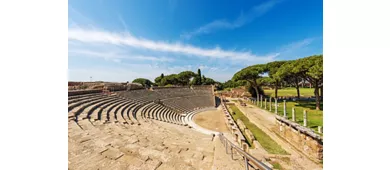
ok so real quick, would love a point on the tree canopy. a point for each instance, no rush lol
(251, 74)
(185, 76)
(169, 79)
(145, 82)
(285, 72)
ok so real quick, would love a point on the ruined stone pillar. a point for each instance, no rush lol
(293, 114)
(270, 104)
(305, 118)
(319, 129)
(261, 101)
(284, 109)
(245, 147)
(276, 105)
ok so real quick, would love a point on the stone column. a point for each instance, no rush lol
(265, 103)
(319, 129)
(270, 103)
(261, 101)
(276, 105)
(305, 118)
(284, 109)
(293, 114)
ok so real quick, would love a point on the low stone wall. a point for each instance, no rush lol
(308, 142)
(250, 136)
(233, 127)
(241, 125)
(80, 92)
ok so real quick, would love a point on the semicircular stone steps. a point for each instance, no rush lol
(106, 113)
(81, 112)
(93, 112)
(112, 112)
(117, 112)
(145, 112)
(154, 112)
(83, 95)
(84, 98)
(74, 108)
(122, 113)
(97, 113)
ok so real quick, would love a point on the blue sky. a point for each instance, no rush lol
(122, 40)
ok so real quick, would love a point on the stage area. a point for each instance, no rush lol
(212, 120)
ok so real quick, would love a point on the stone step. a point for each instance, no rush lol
(222, 160)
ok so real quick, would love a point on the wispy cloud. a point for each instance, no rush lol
(114, 38)
(297, 45)
(123, 22)
(118, 57)
(77, 17)
(244, 18)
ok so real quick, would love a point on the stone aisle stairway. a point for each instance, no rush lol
(154, 145)
(223, 161)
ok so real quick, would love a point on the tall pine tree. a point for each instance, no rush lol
(199, 80)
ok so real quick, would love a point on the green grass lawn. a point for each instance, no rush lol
(291, 91)
(315, 117)
(265, 141)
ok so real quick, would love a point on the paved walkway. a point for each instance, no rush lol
(266, 122)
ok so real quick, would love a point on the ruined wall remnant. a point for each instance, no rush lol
(305, 139)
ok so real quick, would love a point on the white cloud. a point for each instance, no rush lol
(120, 73)
(117, 57)
(125, 39)
(243, 19)
(212, 69)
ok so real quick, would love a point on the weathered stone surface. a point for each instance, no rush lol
(250, 136)
(241, 124)
(256, 144)
(304, 139)
(112, 153)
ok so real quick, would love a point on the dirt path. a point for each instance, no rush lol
(266, 122)
(212, 120)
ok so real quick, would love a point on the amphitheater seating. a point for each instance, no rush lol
(124, 106)
(149, 146)
(119, 131)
